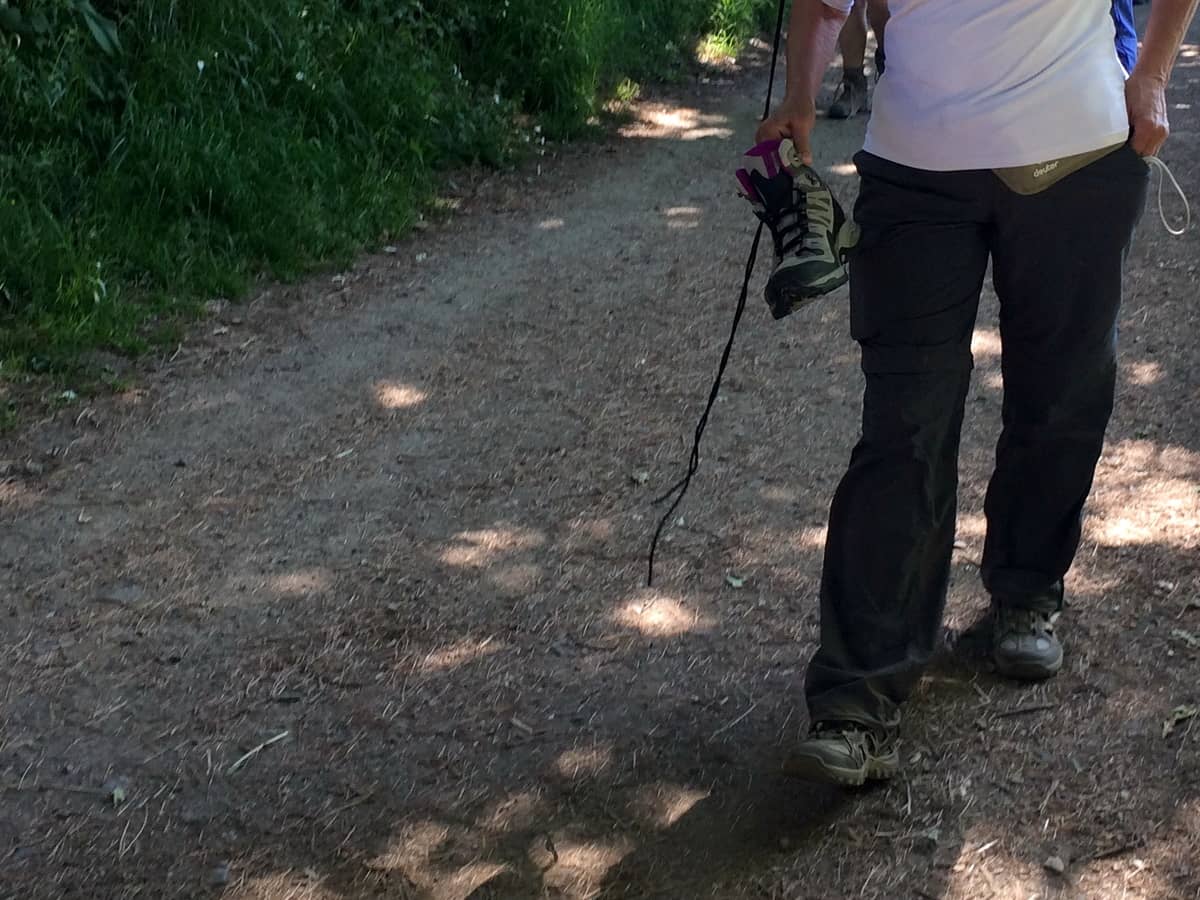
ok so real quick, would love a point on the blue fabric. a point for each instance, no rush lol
(1122, 13)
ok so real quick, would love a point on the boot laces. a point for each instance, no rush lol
(860, 739)
(1026, 621)
(794, 231)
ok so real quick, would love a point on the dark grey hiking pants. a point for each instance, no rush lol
(915, 280)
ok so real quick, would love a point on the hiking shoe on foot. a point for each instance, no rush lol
(851, 97)
(1024, 645)
(845, 753)
(808, 226)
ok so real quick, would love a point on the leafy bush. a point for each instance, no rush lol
(156, 153)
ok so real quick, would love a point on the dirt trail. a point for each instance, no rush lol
(344, 601)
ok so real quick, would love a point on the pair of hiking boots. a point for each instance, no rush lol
(1024, 647)
(812, 238)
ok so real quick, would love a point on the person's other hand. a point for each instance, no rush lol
(791, 119)
(1146, 101)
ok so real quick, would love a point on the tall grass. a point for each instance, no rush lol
(155, 152)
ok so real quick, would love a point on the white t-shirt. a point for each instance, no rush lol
(988, 84)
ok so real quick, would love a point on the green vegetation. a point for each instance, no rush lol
(156, 153)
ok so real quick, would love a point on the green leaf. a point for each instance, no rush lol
(103, 30)
(735, 581)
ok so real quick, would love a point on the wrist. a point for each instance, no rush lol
(1156, 78)
(1154, 75)
(798, 97)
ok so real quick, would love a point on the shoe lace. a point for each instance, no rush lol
(1026, 621)
(794, 229)
(1164, 174)
(858, 738)
(791, 229)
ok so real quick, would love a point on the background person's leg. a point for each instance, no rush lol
(851, 96)
(853, 39)
(1057, 265)
(915, 281)
(877, 17)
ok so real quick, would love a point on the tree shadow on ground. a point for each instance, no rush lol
(414, 541)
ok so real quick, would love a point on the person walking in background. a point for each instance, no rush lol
(851, 97)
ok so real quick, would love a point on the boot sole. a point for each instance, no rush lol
(1028, 671)
(812, 768)
(786, 295)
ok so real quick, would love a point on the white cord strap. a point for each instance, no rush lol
(1164, 174)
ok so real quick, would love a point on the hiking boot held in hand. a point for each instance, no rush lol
(1024, 645)
(845, 753)
(809, 229)
(851, 97)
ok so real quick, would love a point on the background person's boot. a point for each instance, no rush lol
(851, 97)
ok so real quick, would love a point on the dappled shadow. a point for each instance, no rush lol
(362, 615)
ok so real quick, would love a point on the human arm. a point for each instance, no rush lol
(812, 43)
(1146, 87)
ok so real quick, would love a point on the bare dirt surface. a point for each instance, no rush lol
(345, 599)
